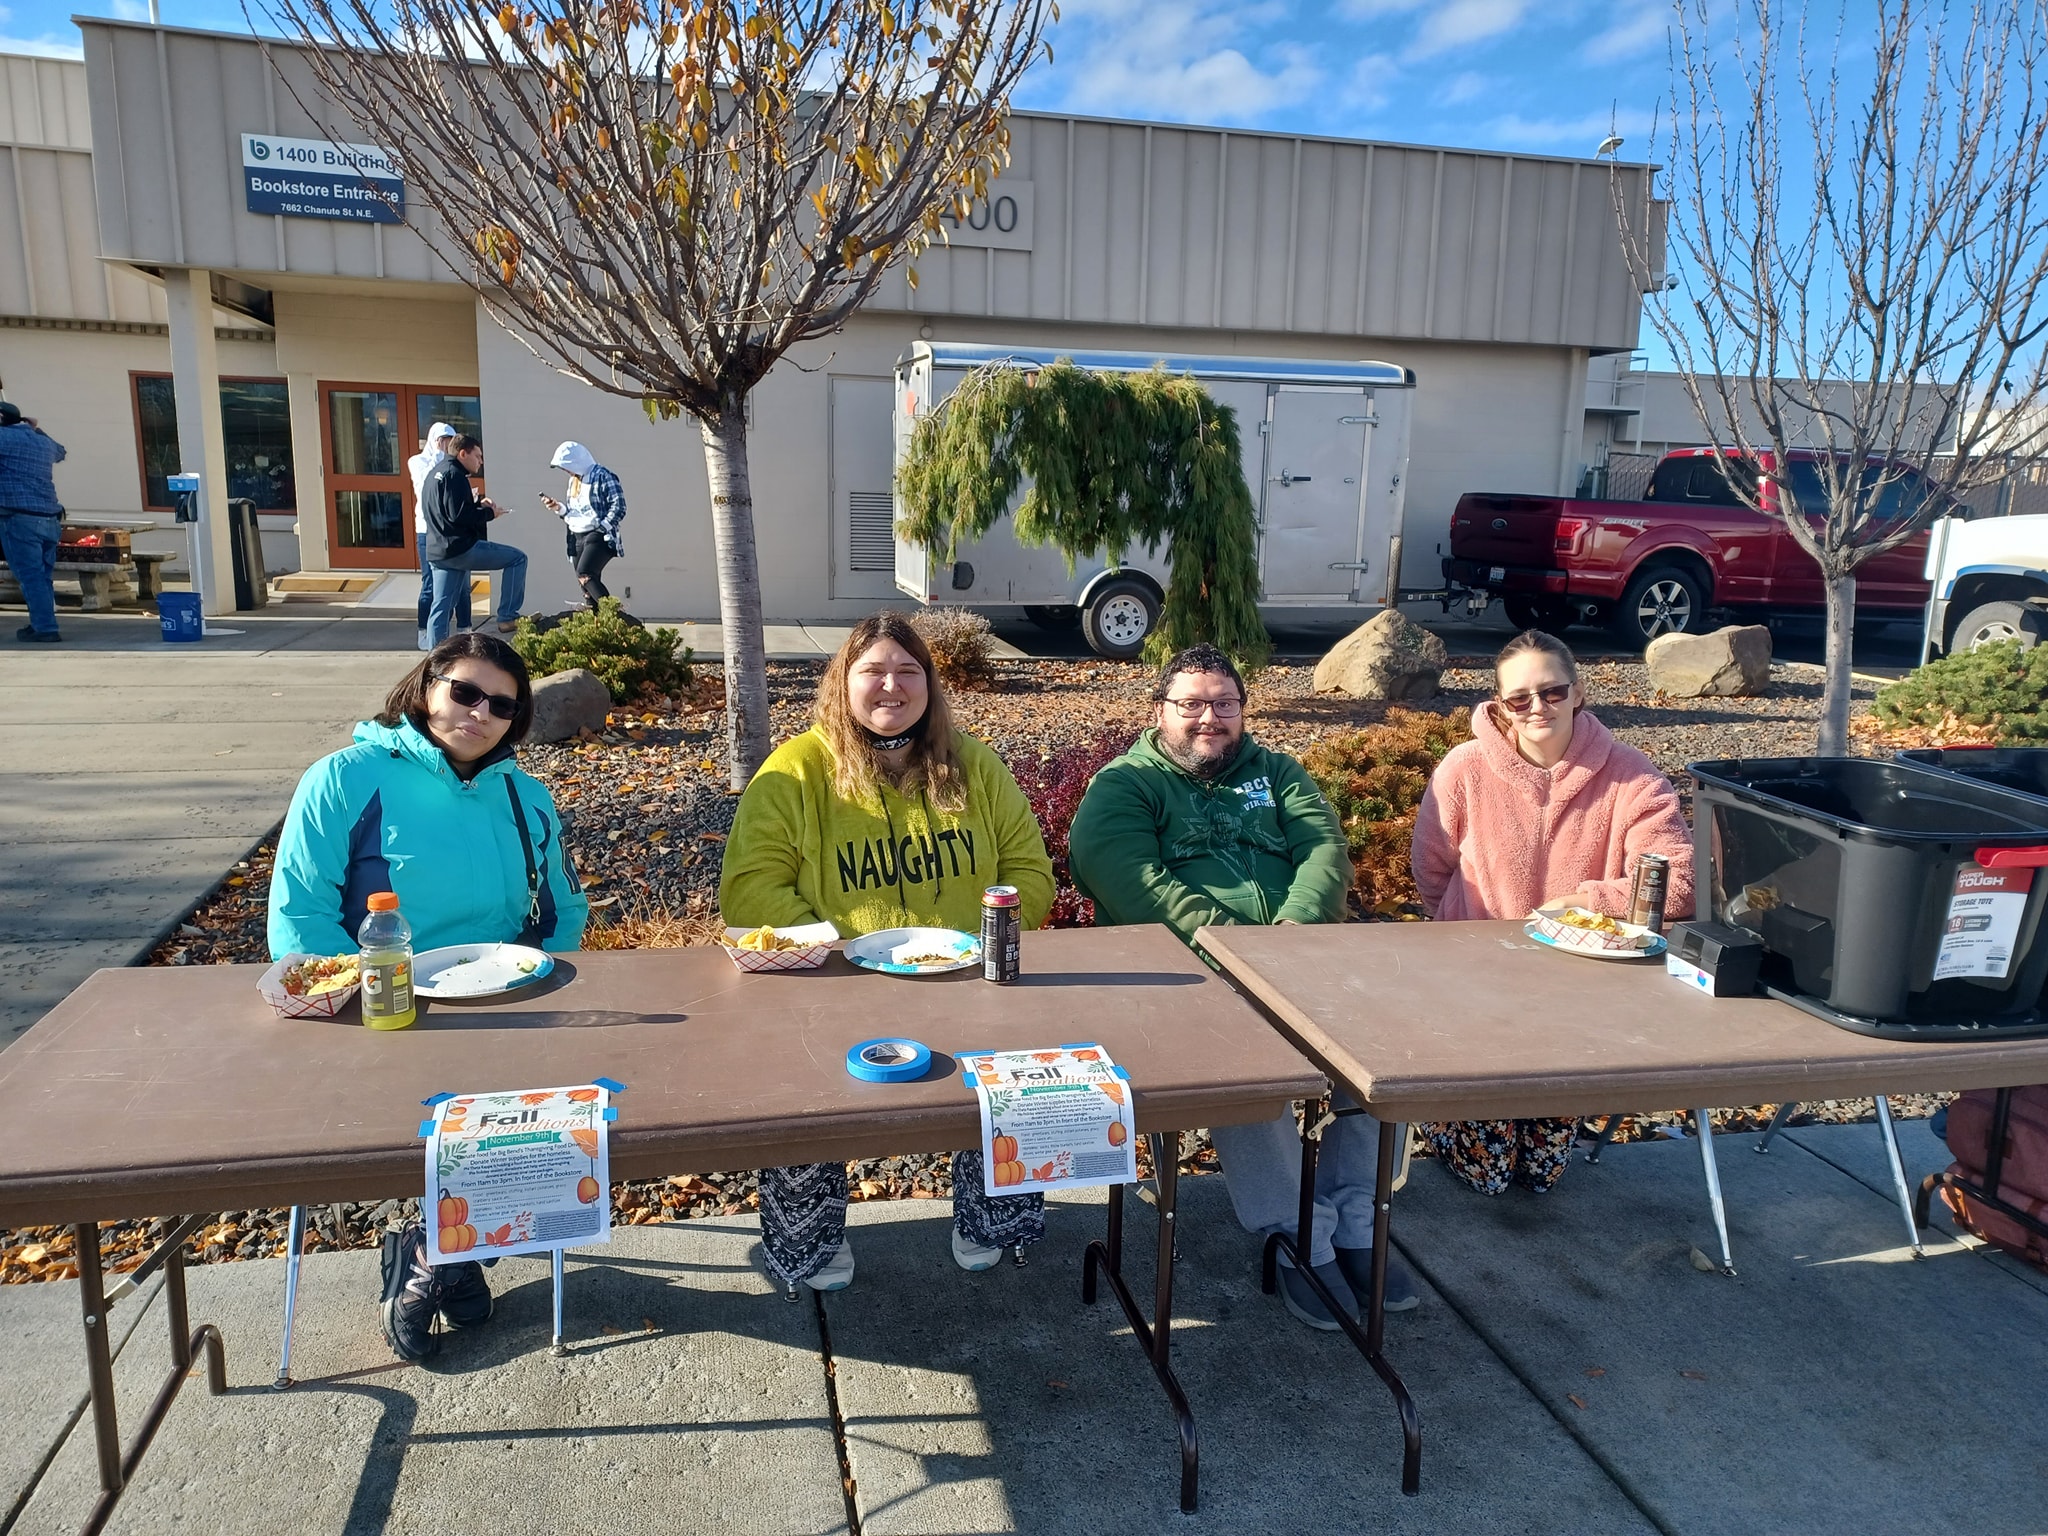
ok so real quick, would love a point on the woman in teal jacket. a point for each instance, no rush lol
(428, 804)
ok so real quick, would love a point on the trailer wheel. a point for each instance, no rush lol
(1118, 618)
(1989, 623)
(1664, 600)
(1056, 620)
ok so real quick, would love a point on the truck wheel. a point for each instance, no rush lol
(1666, 600)
(1118, 618)
(1551, 615)
(1055, 620)
(1989, 623)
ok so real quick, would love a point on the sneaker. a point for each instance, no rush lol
(412, 1295)
(972, 1257)
(1401, 1294)
(465, 1295)
(425, 643)
(836, 1275)
(29, 634)
(1307, 1306)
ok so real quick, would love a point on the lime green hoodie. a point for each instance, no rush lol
(799, 853)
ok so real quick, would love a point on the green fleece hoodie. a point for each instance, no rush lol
(1152, 843)
(799, 853)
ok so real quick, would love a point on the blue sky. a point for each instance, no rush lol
(1545, 76)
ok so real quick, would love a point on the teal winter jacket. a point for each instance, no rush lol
(389, 814)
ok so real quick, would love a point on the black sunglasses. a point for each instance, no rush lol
(468, 695)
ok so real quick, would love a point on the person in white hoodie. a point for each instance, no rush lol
(592, 514)
(419, 466)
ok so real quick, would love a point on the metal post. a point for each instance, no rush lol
(1778, 1119)
(1600, 1141)
(1891, 1148)
(99, 1357)
(1166, 1169)
(1705, 1127)
(555, 1256)
(295, 1244)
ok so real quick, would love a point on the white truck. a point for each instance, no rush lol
(1990, 578)
(1325, 457)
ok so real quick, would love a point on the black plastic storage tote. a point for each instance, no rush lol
(1892, 898)
(2022, 768)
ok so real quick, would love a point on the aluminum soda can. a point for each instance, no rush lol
(1002, 927)
(1646, 895)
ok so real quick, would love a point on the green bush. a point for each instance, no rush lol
(2002, 687)
(1374, 779)
(625, 655)
(959, 641)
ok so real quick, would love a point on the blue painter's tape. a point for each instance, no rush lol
(609, 1085)
(888, 1061)
(439, 1098)
(610, 1113)
(426, 1127)
(970, 1080)
(1120, 1072)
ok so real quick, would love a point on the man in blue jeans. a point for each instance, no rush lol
(30, 519)
(457, 520)
(439, 438)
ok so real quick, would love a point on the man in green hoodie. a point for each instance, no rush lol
(1199, 825)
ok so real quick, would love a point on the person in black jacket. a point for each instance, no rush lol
(457, 520)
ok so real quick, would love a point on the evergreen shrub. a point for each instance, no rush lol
(2002, 688)
(626, 656)
(1374, 778)
(960, 645)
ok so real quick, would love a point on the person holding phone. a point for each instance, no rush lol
(592, 514)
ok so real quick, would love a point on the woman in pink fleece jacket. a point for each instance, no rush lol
(1542, 803)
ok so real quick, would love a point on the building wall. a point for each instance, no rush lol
(1486, 418)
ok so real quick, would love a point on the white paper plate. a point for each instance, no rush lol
(873, 950)
(477, 970)
(1649, 951)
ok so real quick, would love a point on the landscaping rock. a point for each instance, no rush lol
(1387, 657)
(1731, 662)
(567, 702)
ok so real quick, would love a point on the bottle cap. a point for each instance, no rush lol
(384, 901)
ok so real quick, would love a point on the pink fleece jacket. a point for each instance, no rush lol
(1496, 836)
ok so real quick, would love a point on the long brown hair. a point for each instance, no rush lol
(408, 699)
(857, 768)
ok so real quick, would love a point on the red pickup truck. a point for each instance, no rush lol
(1655, 567)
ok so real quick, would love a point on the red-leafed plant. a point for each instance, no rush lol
(1054, 785)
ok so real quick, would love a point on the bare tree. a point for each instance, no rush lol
(662, 197)
(1864, 200)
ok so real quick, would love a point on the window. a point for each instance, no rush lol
(255, 419)
(1701, 478)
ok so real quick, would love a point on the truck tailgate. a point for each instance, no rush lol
(1505, 530)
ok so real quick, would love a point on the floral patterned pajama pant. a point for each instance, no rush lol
(803, 1214)
(1489, 1154)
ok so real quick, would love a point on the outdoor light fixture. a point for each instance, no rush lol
(1609, 145)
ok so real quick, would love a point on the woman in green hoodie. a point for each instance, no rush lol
(882, 815)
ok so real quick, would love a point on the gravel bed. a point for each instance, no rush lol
(645, 812)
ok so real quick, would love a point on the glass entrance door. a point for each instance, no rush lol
(370, 431)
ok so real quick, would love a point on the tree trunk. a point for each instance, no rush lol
(739, 591)
(1834, 704)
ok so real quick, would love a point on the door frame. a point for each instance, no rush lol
(339, 556)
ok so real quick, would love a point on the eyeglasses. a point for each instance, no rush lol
(1192, 709)
(1521, 703)
(468, 696)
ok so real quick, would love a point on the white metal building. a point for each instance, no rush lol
(303, 357)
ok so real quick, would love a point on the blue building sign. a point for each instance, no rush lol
(316, 179)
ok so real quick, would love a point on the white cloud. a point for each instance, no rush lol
(1630, 34)
(49, 45)
(1461, 23)
(1191, 60)
(1368, 10)
(131, 10)
(1468, 85)
(1570, 135)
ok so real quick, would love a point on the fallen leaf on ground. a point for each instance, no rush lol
(1576, 1400)
(610, 1328)
(1596, 1370)
(1694, 1375)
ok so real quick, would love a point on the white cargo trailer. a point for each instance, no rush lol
(1325, 458)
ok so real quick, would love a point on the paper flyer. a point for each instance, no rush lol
(1051, 1119)
(1984, 915)
(521, 1171)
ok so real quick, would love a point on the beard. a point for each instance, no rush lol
(1202, 754)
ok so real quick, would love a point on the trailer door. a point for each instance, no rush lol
(1312, 515)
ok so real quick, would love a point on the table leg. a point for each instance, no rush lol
(1702, 1120)
(99, 1357)
(1778, 1118)
(1606, 1134)
(1891, 1147)
(1370, 1339)
(295, 1245)
(1155, 1337)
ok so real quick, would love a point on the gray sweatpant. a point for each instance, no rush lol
(1262, 1167)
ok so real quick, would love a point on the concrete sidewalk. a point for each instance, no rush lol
(1573, 1371)
(133, 774)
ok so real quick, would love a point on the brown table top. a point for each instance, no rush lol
(1473, 1021)
(150, 1092)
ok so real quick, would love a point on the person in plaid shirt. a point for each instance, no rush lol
(30, 519)
(596, 507)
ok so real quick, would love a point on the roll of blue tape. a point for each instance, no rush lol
(888, 1061)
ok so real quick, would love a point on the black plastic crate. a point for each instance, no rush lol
(2022, 768)
(1892, 898)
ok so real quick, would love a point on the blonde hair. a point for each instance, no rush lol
(1527, 642)
(857, 769)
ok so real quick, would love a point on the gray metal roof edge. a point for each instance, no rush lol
(961, 354)
(82, 22)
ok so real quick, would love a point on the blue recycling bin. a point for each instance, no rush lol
(181, 616)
